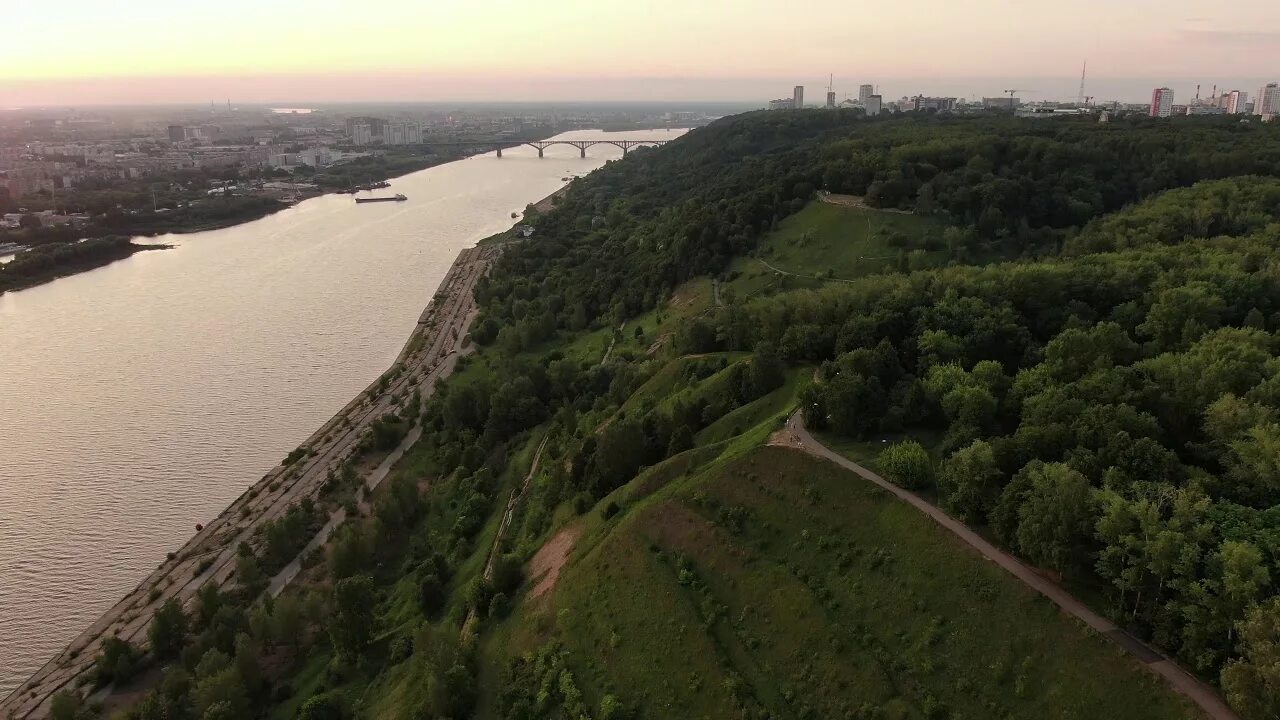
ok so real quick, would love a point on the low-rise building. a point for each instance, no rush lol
(938, 104)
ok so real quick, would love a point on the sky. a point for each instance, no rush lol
(85, 52)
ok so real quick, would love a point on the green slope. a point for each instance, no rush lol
(777, 585)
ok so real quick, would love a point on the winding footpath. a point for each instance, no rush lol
(1201, 694)
(508, 514)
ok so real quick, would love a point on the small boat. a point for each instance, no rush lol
(394, 198)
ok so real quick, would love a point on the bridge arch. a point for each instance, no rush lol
(582, 145)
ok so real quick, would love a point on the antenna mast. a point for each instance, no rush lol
(1080, 95)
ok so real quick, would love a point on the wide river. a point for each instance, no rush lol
(141, 398)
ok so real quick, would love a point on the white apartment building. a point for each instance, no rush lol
(1267, 103)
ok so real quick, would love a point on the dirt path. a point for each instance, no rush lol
(780, 271)
(855, 201)
(209, 557)
(507, 515)
(1200, 693)
(612, 341)
(545, 567)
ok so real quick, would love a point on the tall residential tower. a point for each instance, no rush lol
(1267, 104)
(797, 98)
(1161, 102)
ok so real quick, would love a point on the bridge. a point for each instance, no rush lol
(542, 145)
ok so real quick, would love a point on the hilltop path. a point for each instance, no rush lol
(1199, 693)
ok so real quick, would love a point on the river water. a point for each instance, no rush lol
(141, 398)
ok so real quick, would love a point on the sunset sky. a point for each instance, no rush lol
(95, 51)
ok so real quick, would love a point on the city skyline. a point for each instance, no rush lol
(314, 90)
(454, 51)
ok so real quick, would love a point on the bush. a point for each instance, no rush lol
(430, 594)
(320, 707)
(401, 649)
(117, 662)
(168, 631)
(499, 606)
(507, 574)
(907, 464)
(65, 705)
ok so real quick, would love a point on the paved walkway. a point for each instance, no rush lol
(210, 556)
(1199, 693)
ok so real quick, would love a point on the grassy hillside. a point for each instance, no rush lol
(849, 242)
(777, 585)
(1109, 415)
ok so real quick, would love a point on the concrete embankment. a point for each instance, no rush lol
(430, 353)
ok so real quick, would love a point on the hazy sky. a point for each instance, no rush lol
(126, 51)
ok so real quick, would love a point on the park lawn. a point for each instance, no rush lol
(776, 582)
(835, 242)
(774, 406)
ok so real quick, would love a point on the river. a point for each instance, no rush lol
(141, 398)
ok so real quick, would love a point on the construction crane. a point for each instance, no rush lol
(1012, 99)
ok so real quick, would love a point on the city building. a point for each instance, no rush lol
(401, 133)
(1236, 101)
(782, 104)
(361, 134)
(938, 104)
(1001, 103)
(864, 92)
(797, 97)
(177, 133)
(374, 129)
(1267, 103)
(831, 100)
(872, 104)
(1161, 103)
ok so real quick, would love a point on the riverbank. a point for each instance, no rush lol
(209, 557)
(45, 263)
(205, 217)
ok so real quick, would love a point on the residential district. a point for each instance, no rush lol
(66, 167)
(150, 170)
(1266, 103)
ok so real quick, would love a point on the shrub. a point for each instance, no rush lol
(430, 594)
(319, 707)
(907, 464)
(499, 606)
(117, 662)
(65, 705)
(507, 574)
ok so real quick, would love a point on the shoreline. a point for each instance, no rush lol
(127, 250)
(193, 228)
(542, 206)
(429, 354)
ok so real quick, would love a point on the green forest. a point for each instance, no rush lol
(1062, 331)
